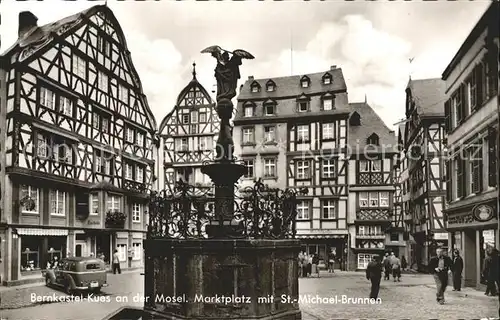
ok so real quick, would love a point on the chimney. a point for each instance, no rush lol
(333, 67)
(250, 77)
(27, 21)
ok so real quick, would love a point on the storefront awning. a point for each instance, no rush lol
(41, 232)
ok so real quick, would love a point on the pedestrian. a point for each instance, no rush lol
(396, 268)
(116, 263)
(440, 265)
(458, 267)
(331, 262)
(301, 263)
(314, 264)
(404, 264)
(309, 264)
(490, 271)
(374, 274)
(387, 266)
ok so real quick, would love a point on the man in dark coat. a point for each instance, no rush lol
(374, 274)
(458, 267)
(439, 266)
(490, 271)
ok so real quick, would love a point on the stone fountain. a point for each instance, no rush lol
(221, 256)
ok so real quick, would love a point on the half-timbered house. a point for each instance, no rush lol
(424, 148)
(373, 149)
(472, 140)
(402, 217)
(78, 145)
(292, 132)
(187, 137)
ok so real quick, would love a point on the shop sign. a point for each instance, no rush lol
(483, 212)
(93, 222)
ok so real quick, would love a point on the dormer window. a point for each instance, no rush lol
(270, 86)
(355, 119)
(327, 78)
(303, 106)
(303, 103)
(255, 87)
(248, 110)
(269, 109)
(305, 81)
(328, 102)
(373, 140)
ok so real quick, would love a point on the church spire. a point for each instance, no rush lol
(366, 100)
(194, 70)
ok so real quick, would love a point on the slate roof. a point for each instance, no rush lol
(429, 96)
(370, 123)
(291, 86)
(36, 39)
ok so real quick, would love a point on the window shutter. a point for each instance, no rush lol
(447, 116)
(492, 158)
(479, 85)
(460, 177)
(463, 96)
(448, 180)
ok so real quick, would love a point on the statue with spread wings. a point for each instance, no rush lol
(227, 71)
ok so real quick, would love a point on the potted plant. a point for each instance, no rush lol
(115, 219)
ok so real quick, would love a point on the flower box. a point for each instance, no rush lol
(115, 219)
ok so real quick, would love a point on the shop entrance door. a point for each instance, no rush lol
(80, 249)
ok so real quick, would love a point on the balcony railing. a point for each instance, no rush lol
(370, 178)
(373, 214)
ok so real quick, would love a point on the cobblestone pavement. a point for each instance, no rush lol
(413, 298)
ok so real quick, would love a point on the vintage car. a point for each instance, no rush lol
(78, 274)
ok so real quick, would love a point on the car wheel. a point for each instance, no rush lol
(97, 290)
(67, 289)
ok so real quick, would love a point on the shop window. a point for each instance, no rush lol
(30, 253)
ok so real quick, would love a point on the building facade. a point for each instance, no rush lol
(373, 150)
(292, 132)
(188, 136)
(425, 153)
(78, 145)
(472, 139)
(402, 217)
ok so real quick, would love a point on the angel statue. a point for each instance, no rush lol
(227, 71)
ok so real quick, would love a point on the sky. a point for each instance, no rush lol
(372, 42)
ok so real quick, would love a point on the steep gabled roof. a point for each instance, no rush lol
(370, 123)
(40, 38)
(290, 86)
(192, 84)
(429, 96)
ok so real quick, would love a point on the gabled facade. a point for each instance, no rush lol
(373, 150)
(78, 144)
(425, 153)
(472, 140)
(187, 137)
(301, 142)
